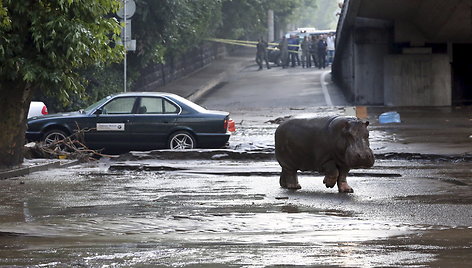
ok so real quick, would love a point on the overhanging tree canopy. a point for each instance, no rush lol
(43, 46)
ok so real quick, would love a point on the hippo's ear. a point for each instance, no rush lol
(366, 123)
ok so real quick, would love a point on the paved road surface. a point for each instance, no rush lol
(294, 88)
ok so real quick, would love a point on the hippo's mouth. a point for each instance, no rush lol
(360, 159)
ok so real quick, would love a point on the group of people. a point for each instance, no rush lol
(315, 51)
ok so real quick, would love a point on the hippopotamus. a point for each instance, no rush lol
(331, 145)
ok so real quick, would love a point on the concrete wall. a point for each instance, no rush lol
(371, 74)
(401, 52)
(417, 80)
(371, 45)
(343, 71)
(359, 68)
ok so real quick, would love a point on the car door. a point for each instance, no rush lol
(111, 124)
(154, 120)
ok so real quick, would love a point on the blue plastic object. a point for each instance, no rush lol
(389, 117)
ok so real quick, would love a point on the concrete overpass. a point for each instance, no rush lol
(405, 52)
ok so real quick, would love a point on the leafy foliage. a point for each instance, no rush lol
(243, 18)
(101, 82)
(320, 14)
(166, 28)
(44, 44)
(247, 19)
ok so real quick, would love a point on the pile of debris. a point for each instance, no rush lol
(71, 147)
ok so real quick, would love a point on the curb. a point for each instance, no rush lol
(230, 154)
(22, 171)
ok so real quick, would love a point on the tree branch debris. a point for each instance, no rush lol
(72, 147)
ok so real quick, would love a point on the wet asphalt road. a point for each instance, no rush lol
(219, 208)
(207, 213)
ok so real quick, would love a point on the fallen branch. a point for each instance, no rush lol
(72, 147)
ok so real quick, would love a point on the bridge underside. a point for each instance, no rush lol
(405, 52)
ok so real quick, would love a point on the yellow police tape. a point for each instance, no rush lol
(245, 43)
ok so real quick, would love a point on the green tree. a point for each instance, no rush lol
(247, 19)
(166, 28)
(243, 19)
(320, 14)
(43, 47)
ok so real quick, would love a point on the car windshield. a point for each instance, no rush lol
(96, 105)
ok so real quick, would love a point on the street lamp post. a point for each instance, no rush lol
(129, 7)
(125, 43)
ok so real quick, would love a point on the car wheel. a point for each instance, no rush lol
(182, 140)
(53, 137)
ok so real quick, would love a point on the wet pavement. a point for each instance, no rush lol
(204, 213)
(224, 208)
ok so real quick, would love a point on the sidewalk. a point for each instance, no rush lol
(33, 165)
(198, 83)
(445, 131)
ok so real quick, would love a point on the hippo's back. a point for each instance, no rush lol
(301, 143)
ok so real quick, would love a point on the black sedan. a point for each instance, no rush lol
(137, 121)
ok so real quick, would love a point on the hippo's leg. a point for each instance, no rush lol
(331, 174)
(289, 179)
(343, 187)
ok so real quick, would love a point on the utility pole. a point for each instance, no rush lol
(270, 25)
(126, 51)
(129, 7)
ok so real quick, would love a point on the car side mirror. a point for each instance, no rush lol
(99, 111)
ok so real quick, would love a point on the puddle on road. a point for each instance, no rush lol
(94, 217)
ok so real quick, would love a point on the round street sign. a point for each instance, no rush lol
(130, 9)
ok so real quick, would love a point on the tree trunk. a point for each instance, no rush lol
(15, 99)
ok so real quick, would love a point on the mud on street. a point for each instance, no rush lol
(225, 208)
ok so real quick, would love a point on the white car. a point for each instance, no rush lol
(37, 108)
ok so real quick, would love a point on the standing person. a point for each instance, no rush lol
(283, 47)
(313, 51)
(297, 48)
(330, 48)
(321, 52)
(261, 54)
(293, 46)
(305, 46)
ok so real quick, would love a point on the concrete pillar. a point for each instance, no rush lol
(417, 80)
(270, 25)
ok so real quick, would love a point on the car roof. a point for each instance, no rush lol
(145, 93)
(181, 100)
